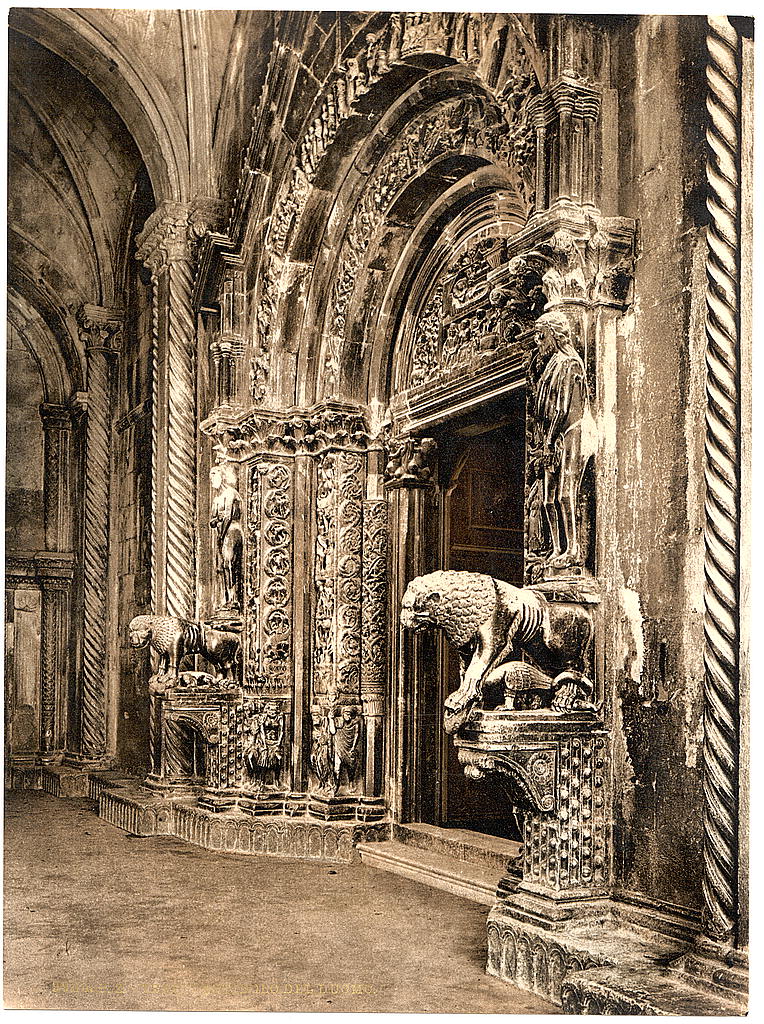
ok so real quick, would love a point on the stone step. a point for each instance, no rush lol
(643, 992)
(460, 844)
(470, 880)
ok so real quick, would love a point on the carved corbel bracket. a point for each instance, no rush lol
(528, 774)
(588, 259)
(411, 462)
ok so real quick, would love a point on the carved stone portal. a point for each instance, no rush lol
(490, 621)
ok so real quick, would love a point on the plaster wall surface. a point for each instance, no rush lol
(660, 402)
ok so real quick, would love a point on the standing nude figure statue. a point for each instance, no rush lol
(225, 518)
(568, 433)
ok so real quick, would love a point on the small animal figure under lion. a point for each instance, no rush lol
(174, 639)
(492, 624)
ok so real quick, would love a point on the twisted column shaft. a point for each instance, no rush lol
(99, 332)
(722, 508)
(181, 443)
(164, 247)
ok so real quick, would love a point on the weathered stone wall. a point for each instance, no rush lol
(655, 564)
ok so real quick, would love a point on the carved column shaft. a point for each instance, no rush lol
(100, 332)
(722, 636)
(164, 248)
(53, 661)
(414, 521)
(57, 428)
(374, 635)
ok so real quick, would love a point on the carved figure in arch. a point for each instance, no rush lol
(566, 433)
(225, 519)
(490, 623)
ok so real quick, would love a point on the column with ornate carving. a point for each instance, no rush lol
(376, 531)
(100, 332)
(338, 746)
(164, 246)
(410, 476)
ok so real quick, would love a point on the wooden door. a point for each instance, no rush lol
(483, 533)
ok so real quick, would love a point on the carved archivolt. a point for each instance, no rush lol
(506, 133)
(470, 124)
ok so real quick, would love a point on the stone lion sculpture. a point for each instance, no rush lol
(491, 623)
(174, 639)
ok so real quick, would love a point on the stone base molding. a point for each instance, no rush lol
(146, 813)
(588, 957)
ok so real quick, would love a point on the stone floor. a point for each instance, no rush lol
(96, 919)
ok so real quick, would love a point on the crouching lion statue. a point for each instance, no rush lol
(491, 623)
(174, 639)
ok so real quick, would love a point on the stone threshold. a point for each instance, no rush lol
(471, 881)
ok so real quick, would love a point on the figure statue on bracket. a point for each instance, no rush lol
(566, 434)
(265, 754)
(225, 519)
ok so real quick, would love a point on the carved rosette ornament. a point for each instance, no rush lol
(100, 332)
(269, 601)
(721, 713)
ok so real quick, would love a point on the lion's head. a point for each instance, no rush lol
(457, 602)
(139, 631)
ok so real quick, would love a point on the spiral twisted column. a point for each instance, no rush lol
(722, 508)
(100, 332)
(164, 248)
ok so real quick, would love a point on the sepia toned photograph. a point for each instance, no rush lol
(377, 524)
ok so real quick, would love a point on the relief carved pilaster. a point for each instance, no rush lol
(57, 430)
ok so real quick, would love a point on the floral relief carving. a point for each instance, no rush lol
(270, 595)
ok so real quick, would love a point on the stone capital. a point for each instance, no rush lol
(165, 236)
(100, 328)
(55, 416)
(566, 96)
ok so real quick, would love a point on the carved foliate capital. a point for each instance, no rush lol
(411, 462)
(567, 96)
(165, 236)
(590, 260)
(100, 328)
(296, 432)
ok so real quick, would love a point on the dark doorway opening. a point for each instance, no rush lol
(481, 475)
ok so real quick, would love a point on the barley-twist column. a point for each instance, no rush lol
(164, 247)
(100, 332)
(722, 510)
